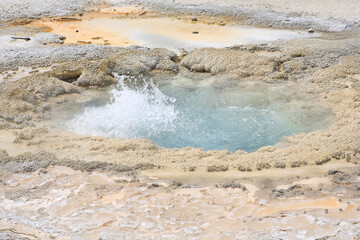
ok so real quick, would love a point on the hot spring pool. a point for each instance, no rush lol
(183, 112)
(169, 33)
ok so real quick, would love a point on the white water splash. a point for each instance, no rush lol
(138, 112)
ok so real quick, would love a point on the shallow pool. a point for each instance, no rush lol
(170, 33)
(183, 112)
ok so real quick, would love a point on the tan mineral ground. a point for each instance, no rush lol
(59, 56)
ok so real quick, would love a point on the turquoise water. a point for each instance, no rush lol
(183, 112)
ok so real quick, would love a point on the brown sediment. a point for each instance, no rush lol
(201, 176)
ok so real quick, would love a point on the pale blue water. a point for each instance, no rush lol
(188, 113)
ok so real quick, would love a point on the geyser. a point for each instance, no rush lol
(193, 113)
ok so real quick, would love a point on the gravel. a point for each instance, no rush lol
(13, 9)
(11, 58)
(254, 12)
(344, 10)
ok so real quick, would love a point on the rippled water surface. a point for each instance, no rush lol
(193, 113)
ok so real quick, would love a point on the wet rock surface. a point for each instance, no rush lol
(63, 203)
